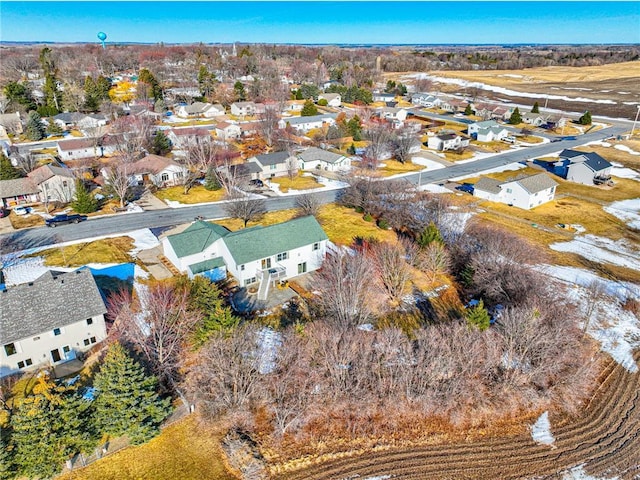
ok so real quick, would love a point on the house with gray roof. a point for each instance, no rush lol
(251, 255)
(19, 191)
(276, 164)
(50, 320)
(492, 134)
(44, 184)
(473, 128)
(200, 109)
(314, 158)
(587, 168)
(525, 192)
(304, 124)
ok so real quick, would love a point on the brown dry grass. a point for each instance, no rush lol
(299, 182)
(197, 194)
(108, 250)
(614, 155)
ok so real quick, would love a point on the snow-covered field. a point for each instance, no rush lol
(601, 249)
(627, 211)
(541, 430)
(578, 473)
(430, 164)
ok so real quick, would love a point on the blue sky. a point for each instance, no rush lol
(323, 22)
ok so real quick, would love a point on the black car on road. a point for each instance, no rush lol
(63, 219)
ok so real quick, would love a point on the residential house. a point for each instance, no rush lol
(587, 168)
(492, 134)
(200, 109)
(525, 193)
(242, 109)
(50, 320)
(391, 113)
(55, 184)
(333, 99)
(11, 123)
(555, 121)
(19, 191)
(472, 128)
(317, 159)
(424, 99)
(69, 120)
(482, 110)
(159, 171)
(249, 129)
(447, 141)
(228, 131)
(79, 148)
(294, 106)
(276, 164)
(251, 255)
(304, 124)
(244, 172)
(535, 119)
(383, 97)
(501, 113)
(184, 137)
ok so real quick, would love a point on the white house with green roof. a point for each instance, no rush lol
(252, 255)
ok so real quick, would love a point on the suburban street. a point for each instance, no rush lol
(158, 219)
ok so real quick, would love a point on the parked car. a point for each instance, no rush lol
(63, 219)
(256, 182)
(465, 187)
(3, 212)
(21, 210)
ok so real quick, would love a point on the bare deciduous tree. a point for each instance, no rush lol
(392, 267)
(268, 123)
(434, 260)
(307, 204)
(379, 147)
(245, 208)
(404, 144)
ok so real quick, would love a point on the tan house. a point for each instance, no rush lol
(160, 171)
(55, 184)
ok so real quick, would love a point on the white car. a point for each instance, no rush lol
(21, 210)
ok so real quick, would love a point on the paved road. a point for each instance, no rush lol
(36, 237)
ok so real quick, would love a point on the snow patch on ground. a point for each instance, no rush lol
(614, 328)
(601, 249)
(578, 473)
(626, 210)
(433, 188)
(620, 171)
(509, 92)
(541, 430)
(143, 239)
(624, 148)
(269, 342)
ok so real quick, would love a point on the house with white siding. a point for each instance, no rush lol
(525, 193)
(185, 137)
(447, 141)
(492, 134)
(45, 184)
(314, 158)
(200, 109)
(242, 109)
(587, 168)
(333, 99)
(425, 100)
(276, 164)
(159, 171)
(50, 320)
(252, 255)
(305, 124)
(228, 131)
(79, 148)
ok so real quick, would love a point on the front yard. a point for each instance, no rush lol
(107, 250)
(299, 182)
(197, 194)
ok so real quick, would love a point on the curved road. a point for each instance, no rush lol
(37, 237)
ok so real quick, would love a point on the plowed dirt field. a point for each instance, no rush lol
(605, 439)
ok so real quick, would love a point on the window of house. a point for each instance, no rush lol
(508, 190)
(282, 256)
(64, 183)
(35, 339)
(28, 362)
(272, 167)
(20, 364)
(93, 340)
(86, 342)
(164, 177)
(10, 349)
(89, 321)
(249, 281)
(242, 268)
(57, 331)
(66, 349)
(316, 246)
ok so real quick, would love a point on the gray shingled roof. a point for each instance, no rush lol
(245, 169)
(253, 244)
(51, 301)
(594, 161)
(488, 184)
(313, 118)
(537, 183)
(275, 158)
(313, 154)
(17, 186)
(196, 238)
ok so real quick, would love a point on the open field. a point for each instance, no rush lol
(184, 450)
(605, 438)
(616, 82)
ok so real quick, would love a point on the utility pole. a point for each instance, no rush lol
(635, 121)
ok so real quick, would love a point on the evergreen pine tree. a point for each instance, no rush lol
(211, 180)
(84, 202)
(585, 119)
(478, 316)
(161, 144)
(6, 459)
(467, 110)
(238, 88)
(35, 130)
(515, 118)
(7, 171)
(91, 97)
(309, 109)
(103, 85)
(430, 234)
(126, 401)
(48, 427)
(536, 108)
(352, 149)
